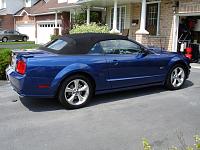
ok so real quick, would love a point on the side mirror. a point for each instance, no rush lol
(145, 52)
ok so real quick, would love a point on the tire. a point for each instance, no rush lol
(4, 39)
(176, 77)
(75, 92)
(25, 39)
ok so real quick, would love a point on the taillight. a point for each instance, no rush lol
(21, 67)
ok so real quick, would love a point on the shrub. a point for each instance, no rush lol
(92, 28)
(146, 144)
(5, 56)
(53, 37)
(195, 146)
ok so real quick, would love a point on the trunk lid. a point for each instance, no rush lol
(25, 54)
(31, 53)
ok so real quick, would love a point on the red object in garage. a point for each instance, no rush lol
(188, 52)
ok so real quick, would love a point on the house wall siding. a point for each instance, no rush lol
(164, 39)
(47, 17)
(24, 20)
(135, 15)
(19, 20)
(7, 22)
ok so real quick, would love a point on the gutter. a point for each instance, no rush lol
(40, 14)
(83, 1)
(65, 7)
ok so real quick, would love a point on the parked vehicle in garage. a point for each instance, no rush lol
(11, 35)
(75, 67)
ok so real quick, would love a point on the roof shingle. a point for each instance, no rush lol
(42, 7)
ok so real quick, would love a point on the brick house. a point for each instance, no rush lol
(7, 9)
(151, 22)
(39, 22)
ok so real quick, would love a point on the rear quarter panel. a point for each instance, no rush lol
(53, 70)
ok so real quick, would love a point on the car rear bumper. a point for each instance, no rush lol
(16, 80)
(25, 86)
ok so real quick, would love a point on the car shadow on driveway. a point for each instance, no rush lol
(110, 97)
(41, 104)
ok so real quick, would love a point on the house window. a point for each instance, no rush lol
(121, 16)
(152, 18)
(27, 3)
(3, 4)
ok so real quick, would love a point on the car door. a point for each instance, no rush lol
(129, 66)
(17, 36)
(11, 35)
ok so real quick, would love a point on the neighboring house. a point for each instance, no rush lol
(39, 22)
(7, 9)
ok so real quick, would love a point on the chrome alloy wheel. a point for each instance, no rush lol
(177, 77)
(77, 92)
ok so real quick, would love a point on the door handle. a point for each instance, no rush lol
(115, 62)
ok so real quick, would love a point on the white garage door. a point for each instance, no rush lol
(28, 29)
(44, 32)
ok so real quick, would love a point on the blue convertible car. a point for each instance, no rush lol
(75, 67)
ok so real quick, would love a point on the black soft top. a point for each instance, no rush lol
(82, 43)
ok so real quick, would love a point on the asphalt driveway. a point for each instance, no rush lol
(116, 121)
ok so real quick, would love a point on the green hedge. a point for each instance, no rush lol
(5, 57)
(92, 28)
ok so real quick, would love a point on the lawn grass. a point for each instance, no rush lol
(15, 43)
(35, 46)
(29, 47)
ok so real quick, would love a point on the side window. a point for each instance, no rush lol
(10, 32)
(128, 47)
(96, 49)
(15, 32)
(109, 47)
(120, 47)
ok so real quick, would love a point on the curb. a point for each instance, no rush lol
(196, 66)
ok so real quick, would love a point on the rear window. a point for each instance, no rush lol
(57, 45)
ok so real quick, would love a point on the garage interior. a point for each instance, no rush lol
(189, 36)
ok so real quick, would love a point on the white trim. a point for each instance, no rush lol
(56, 19)
(48, 21)
(120, 18)
(125, 19)
(88, 15)
(24, 11)
(175, 32)
(176, 26)
(158, 21)
(65, 7)
(153, 2)
(158, 16)
(41, 14)
(189, 14)
(143, 19)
